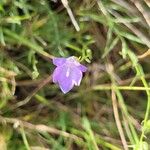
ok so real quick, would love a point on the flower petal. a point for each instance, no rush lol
(68, 73)
(82, 68)
(62, 76)
(65, 80)
(76, 76)
(56, 74)
(59, 61)
(66, 85)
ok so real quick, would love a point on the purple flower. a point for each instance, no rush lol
(68, 73)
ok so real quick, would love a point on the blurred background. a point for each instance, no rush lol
(110, 109)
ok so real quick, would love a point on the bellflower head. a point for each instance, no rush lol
(68, 73)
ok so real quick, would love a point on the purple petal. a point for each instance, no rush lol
(82, 68)
(65, 80)
(66, 85)
(59, 61)
(69, 78)
(76, 76)
(67, 73)
(60, 76)
(56, 74)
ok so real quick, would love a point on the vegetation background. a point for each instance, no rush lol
(110, 110)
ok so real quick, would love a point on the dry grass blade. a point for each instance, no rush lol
(134, 29)
(146, 54)
(39, 128)
(117, 119)
(66, 5)
(3, 145)
(145, 14)
(147, 2)
(7, 72)
(27, 99)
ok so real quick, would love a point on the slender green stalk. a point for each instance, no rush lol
(25, 139)
(140, 71)
(26, 42)
(124, 88)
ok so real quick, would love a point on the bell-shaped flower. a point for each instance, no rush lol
(68, 73)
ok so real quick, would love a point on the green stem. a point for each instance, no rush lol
(133, 88)
(26, 42)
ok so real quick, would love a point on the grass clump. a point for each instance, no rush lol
(110, 109)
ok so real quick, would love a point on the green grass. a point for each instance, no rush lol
(110, 109)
